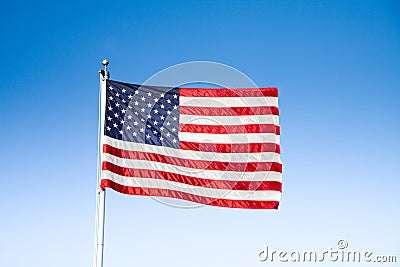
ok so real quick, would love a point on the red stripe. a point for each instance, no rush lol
(228, 203)
(230, 129)
(189, 180)
(230, 148)
(196, 164)
(229, 111)
(224, 92)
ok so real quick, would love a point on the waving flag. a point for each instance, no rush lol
(212, 146)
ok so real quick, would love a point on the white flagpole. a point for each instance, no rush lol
(101, 194)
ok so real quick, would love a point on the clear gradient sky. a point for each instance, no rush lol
(336, 64)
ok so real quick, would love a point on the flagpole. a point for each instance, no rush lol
(101, 194)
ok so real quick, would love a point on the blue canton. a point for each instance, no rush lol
(142, 114)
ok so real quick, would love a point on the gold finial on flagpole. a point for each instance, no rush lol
(105, 74)
(105, 62)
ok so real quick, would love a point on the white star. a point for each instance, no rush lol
(142, 120)
(155, 111)
(128, 127)
(154, 132)
(117, 104)
(174, 140)
(162, 128)
(123, 101)
(122, 121)
(148, 126)
(142, 109)
(109, 118)
(175, 96)
(149, 116)
(169, 112)
(115, 125)
(123, 111)
(169, 101)
(162, 106)
(135, 123)
(129, 117)
(111, 98)
(162, 117)
(148, 136)
(168, 123)
(175, 118)
(168, 134)
(143, 98)
(161, 138)
(116, 115)
(149, 94)
(130, 96)
(110, 87)
(123, 90)
(121, 132)
(117, 94)
(136, 113)
(136, 103)
(136, 92)
(142, 130)
(155, 122)
(174, 129)
(149, 105)
(110, 108)
(134, 133)
(108, 128)
(156, 100)
(162, 95)
(130, 107)
(175, 107)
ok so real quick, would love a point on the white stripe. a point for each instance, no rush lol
(229, 120)
(196, 190)
(198, 173)
(228, 101)
(195, 155)
(229, 138)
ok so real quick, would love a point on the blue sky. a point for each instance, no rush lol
(336, 64)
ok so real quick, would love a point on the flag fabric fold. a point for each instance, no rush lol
(213, 146)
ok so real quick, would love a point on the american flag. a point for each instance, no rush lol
(214, 146)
